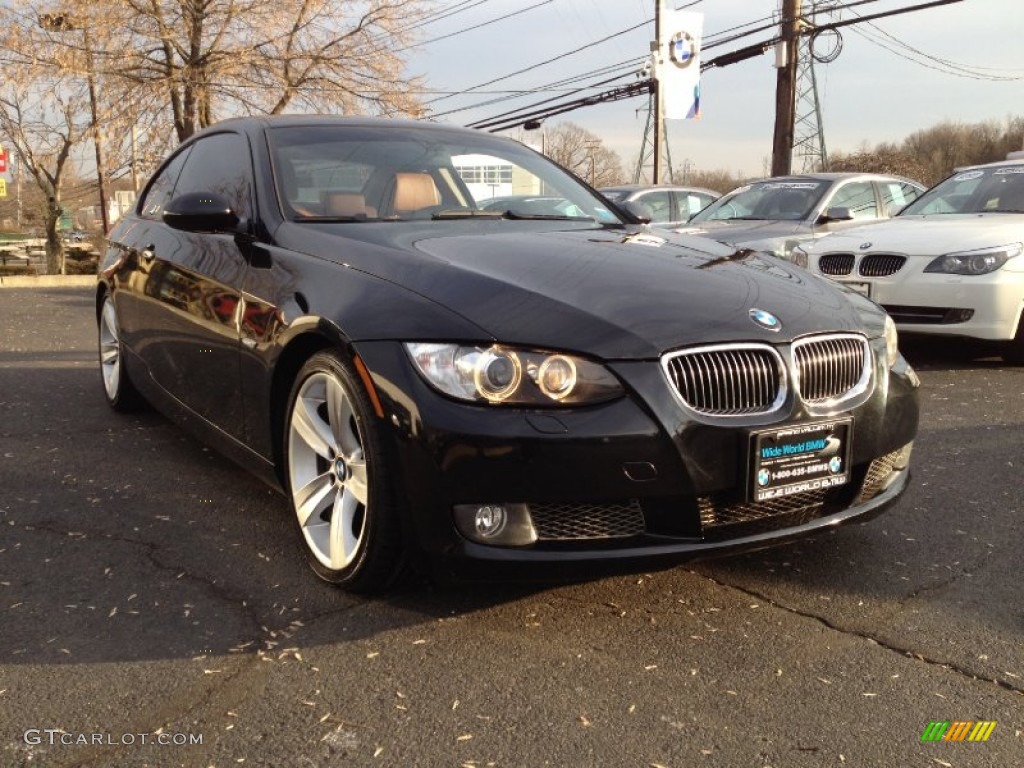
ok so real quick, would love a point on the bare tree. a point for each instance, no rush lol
(42, 115)
(719, 180)
(210, 59)
(884, 158)
(583, 153)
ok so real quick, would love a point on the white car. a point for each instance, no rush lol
(776, 215)
(949, 264)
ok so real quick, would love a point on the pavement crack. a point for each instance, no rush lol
(892, 647)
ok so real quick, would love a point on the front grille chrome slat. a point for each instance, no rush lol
(728, 379)
(836, 264)
(832, 369)
(731, 380)
(881, 264)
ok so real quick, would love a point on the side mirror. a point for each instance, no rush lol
(838, 214)
(200, 212)
(638, 211)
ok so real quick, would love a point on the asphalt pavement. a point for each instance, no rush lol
(155, 610)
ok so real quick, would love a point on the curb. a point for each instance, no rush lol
(47, 281)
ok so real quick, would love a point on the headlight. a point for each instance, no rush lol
(892, 347)
(798, 256)
(974, 262)
(499, 374)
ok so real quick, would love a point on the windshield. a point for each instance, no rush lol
(982, 190)
(358, 174)
(766, 200)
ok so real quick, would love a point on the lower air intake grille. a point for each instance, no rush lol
(878, 473)
(836, 264)
(714, 515)
(568, 522)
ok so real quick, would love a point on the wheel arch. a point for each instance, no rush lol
(102, 290)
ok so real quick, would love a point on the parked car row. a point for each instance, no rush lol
(949, 264)
(943, 262)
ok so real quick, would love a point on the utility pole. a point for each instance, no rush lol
(785, 89)
(97, 140)
(659, 107)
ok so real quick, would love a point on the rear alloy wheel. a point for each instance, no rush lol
(117, 386)
(336, 469)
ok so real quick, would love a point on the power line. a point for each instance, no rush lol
(548, 61)
(476, 26)
(945, 65)
(628, 65)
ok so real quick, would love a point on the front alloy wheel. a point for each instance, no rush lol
(335, 465)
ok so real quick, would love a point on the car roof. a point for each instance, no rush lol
(668, 187)
(994, 164)
(259, 123)
(832, 176)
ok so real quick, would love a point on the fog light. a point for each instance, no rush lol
(490, 521)
(502, 525)
(954, 316)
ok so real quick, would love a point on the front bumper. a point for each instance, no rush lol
(599, 469)
(979, 307)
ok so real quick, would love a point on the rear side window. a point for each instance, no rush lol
(161, 188)
(660, 205)
(220, 164)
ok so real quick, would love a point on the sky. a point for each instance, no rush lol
(867, 95)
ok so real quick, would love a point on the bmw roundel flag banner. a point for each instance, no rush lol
(679, 63)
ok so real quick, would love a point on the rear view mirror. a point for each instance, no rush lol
(200, 212)
(638, 211)
(838, 214)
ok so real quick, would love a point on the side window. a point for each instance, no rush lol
(896, 194)
(220, 164)
(693, 202)
(660, 204)
(859, 197)
(160, 189)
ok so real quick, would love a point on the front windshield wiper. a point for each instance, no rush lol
(332, 219)
(467, 213)
(543, 216)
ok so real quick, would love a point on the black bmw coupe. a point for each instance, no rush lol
(437, 381)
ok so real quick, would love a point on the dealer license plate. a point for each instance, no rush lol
(800, 457)
(862, 288)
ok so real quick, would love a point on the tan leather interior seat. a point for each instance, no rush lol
(415, 191)
(344, 204)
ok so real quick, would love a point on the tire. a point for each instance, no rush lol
(337, 470)
(118, 389)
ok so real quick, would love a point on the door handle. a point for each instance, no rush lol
(148, 252)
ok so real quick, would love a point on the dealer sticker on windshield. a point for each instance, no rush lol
(799, 458)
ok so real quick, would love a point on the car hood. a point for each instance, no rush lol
(744, 231)
(931, 235)
(615, 294)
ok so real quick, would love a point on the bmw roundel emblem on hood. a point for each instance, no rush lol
(766, 320)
